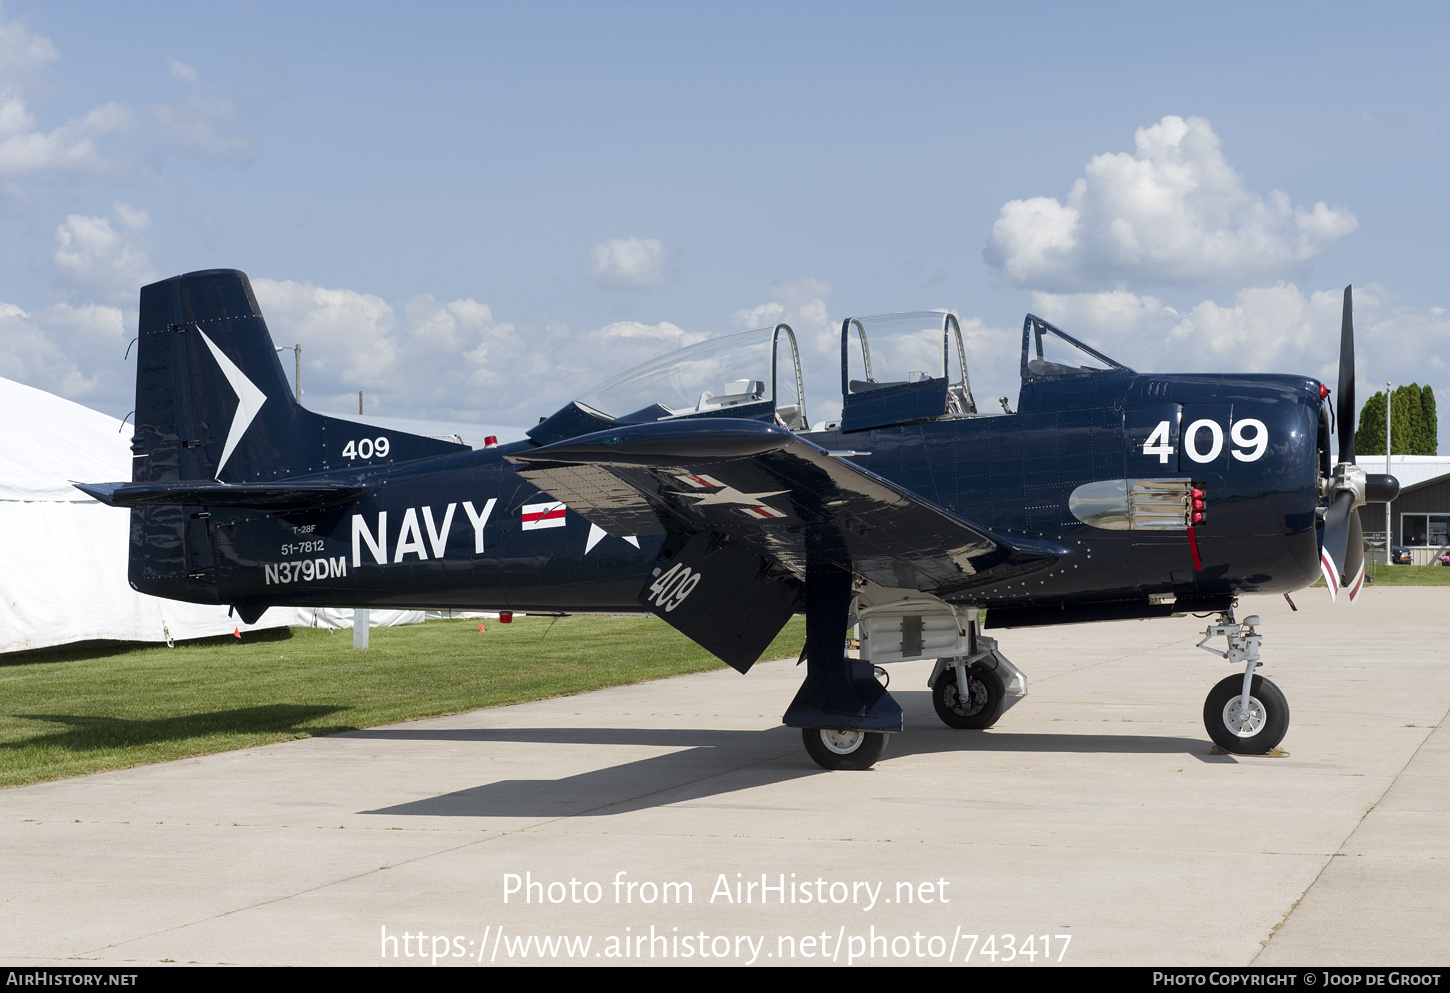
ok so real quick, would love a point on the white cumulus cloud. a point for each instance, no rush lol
(450, 360)
(1277, 328)
(180, 70)
(422, 358)
(23, 53)
(203, 124)
(629, 263)
(73, 351)
(95, 259)
(1171, 212)
(26, 149)
(111, 138)
(801, 303)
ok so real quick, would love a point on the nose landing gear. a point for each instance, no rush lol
(1244, 714)
(1249, 728)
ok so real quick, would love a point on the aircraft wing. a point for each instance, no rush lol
(762, 485)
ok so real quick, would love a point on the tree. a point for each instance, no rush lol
(1414, 426)
(1430, 421)
(1369, 439)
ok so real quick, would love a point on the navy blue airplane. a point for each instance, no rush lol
(694, 488)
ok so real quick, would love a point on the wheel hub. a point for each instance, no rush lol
(842, 742)
(1244, 721)
(975, 700)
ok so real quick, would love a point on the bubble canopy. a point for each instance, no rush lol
(895, 369)
(754, 374)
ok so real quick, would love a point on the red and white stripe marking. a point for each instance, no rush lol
(701, 482)
(1357, 585)
(543, 515)
(1331, 574)
(761, 512)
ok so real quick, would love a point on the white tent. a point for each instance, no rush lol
(63, 556)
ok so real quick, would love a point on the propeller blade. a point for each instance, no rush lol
(1332, 552)
(1345, 403)
(1353, 578)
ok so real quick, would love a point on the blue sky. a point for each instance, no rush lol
(477, 211)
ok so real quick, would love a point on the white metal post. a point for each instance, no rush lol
(296, 351)
(360, 628)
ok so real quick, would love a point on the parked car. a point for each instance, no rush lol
(1400, 555)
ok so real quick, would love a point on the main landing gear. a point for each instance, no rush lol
(970, 692)
(833, 749)
(968, 697)
(843, 711)
(1244, 714)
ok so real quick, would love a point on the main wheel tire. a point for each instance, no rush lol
(981, 708)
(1251, 730)
(832, 749)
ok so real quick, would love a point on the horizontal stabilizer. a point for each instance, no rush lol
(252, 496)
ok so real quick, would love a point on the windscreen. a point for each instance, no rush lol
(713, 375)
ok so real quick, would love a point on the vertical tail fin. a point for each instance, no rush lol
(206, 372)
(212, 401)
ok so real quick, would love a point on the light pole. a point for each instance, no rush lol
(1389, 557)
(296, 351)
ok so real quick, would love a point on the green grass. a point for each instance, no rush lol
(1411, 575)
(1403, 575)
(80, 710)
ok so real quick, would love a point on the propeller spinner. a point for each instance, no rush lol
(1341, 555)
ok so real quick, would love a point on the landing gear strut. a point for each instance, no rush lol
(1244, 714)
(843, 711)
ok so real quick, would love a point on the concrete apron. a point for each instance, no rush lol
(677, 822)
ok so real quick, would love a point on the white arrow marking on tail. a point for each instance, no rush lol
(249, 400)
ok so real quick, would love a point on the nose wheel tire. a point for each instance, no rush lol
(832, 749)
(979, 709)
(1248, 729)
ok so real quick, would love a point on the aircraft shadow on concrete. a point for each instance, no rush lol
(89, 733)
(713, 763)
